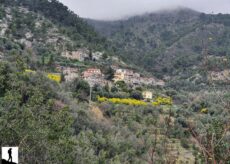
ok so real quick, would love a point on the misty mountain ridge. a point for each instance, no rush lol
(107, 27)
(173, 10)
(166, 11)
(169, 42)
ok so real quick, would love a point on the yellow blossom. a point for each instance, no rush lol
(126, 101)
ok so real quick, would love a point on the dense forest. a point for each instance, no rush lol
(187, 121)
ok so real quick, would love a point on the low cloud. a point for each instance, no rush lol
(118, 9)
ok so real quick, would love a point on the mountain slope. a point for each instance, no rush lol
(169, 42)
(40, 31)
(58, 14)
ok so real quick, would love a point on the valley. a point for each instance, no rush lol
(151, 88)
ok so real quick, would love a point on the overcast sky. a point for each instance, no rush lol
(116, 9)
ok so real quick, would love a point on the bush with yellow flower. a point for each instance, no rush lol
(204, 110)
(162, 101)
(52, 76)
(126, 101)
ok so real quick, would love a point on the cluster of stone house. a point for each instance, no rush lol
(70, 73)
(92, 72)
(82, 54)
(133, 78)
(94, 76)
(223, 76)
(79, 55)
(126, 75)
(97, 55)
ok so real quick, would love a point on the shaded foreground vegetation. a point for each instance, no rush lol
(51, 127)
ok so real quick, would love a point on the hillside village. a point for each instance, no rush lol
(94, 76)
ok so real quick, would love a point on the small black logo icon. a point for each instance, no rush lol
(9, 155)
